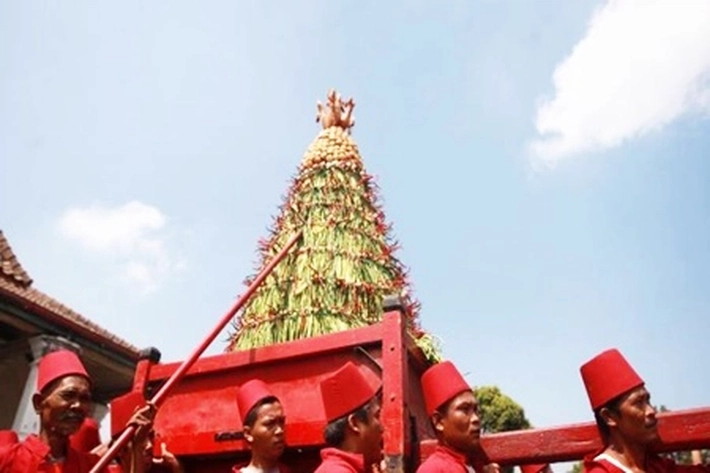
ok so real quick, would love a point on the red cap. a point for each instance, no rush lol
(87, 437)
(58, 364)
(8, 437)
(607, 376)
(533, 468)
(441, 383)
(345, 391)
(249, 395)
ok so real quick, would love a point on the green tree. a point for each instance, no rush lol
(338, 274)
(499, 412)
(576, 468)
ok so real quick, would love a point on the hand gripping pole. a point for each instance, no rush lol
(177, 376)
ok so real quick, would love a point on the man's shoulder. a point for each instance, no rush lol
(603, 462)
(7, 452)
(600, 467)
(7, 448)
(335, 465)
(336, 460)
(13, 449)
(17, 457)
(598, 462)
(439, 463)
(330, 466)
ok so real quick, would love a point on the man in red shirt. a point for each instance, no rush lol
(626, 419)
(352, 406)
(62, 401)
(263, 421)
(453, 411)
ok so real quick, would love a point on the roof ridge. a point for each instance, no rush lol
(37, 298)
(10, 267)
(16, 283)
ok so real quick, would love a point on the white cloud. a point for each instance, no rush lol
(132, 236)
(640, 65)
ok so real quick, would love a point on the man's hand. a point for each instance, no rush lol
(139, 447)
(100, 450)
(168, 459)
(142, 419)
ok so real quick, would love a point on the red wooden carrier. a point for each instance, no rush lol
(200, 422)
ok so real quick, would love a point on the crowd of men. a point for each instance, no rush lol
(68, 440)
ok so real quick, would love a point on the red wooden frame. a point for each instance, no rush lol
(199, 420)
(679, 430)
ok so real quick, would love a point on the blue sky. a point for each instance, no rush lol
(544, 167)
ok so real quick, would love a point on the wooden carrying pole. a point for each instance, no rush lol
(177, 376)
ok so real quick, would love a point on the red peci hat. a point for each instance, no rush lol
(87, 437)
(345, 391)
(249, 395)
(533, 468)
(58, 364)
(607, 376)
(440, 384)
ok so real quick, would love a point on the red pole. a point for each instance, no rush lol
(159, 397)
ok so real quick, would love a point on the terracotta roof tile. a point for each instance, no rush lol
(15, 284)
(10, 267)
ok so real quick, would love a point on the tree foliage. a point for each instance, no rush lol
(499, 412)
(576, 468)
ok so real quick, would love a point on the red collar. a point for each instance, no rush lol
(356, 460)
(449, 452)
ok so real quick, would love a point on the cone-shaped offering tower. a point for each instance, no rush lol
(340, 271)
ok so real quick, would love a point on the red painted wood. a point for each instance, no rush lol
(679, 430)
(141, 376)
(200, 423)
(281, 352)
(395, 381)
(199, 420)
(123, 407)
(203, 405)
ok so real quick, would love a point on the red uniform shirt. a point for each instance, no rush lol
(445, 460)
(32, 455)
(334, 460)
(603, 463)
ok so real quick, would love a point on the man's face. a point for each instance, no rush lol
(266, 436)
(636, 419)
(64, 405)
(459, 426)
(371, 433)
